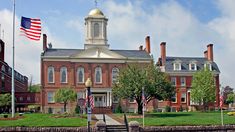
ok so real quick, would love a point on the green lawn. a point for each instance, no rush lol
(183, 118)
(44, 120)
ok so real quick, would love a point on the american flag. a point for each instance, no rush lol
(31, 28)
(91, 100)
(143, 98)
(221, 101)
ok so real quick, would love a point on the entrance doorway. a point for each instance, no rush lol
(100, 100)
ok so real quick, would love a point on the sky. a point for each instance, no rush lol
(187, 27)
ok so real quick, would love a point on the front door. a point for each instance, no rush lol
(99, 101)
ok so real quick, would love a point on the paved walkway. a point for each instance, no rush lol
(108, 119)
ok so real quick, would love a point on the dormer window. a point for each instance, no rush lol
(193, 66)
(177, 66)
(208, 65)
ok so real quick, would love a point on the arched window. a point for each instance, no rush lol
(115, 72)
(50, 74)
(80, 75)
(63, 75)
(98, 75)
(96, 30)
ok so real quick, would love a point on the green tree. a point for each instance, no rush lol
(203, 88)
(34, 88)
(5, 101)
(65, 95)
(230, 98)
(134, 77)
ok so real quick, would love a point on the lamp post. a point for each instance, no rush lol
(88, 86)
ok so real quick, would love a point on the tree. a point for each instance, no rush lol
(65, 95)
(34, 88)
(5, 101)
(230, 98)
(134, 77)
(203, 88)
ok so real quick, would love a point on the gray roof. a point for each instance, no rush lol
(137, 54)
(185, 61)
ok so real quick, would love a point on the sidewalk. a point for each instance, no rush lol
(108, 119)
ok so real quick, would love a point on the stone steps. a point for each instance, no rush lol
(116, 128)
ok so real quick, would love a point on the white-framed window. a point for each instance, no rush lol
(63, 75)
(80, 75)
(98, 75)
(21, 98)
(9, 70)
(96, 30)
(50, 97)
(177, 66)
(50, 74)
(174, 99)
(28, 98)
(115, 72)
(193, 66)
(173, 81)
(183, 97)
(182, 81)
(208, 65)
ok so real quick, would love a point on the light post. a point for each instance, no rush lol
(88, 86)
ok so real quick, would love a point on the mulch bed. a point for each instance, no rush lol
(9, 118)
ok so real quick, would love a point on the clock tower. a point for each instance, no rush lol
(96, 29)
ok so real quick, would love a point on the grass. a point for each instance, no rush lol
(182, 118)
(44, 120)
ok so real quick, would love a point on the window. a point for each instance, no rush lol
(132, 100)
(50, 97)
(173, 99)
(208, 65)
(115, 72)
(193, 66)
(183, 98)
(96, 30)
(21, 98)
(177, 66)
(80, 75)
(182, 81)
(98, 75)
(63, 75)
(173, 81)
(28, 98)
(50, 74)
(3, 68)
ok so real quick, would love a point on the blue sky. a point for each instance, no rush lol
(186, 25)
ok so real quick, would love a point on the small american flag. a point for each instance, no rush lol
(91, 100)
(221, 101)
(31, 28)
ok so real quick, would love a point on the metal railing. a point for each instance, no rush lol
(126, 122)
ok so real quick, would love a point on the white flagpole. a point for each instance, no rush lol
(143, 105)
(13, 67)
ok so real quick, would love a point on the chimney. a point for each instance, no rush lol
(44, 42)
(206, 54)
(210, 52)
(163, 53)
(147, 42)
(141, 47)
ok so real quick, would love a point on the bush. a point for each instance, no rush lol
(181, 109)
(50, 110)
(118, 109)
(231, 113)
(5, 116)
(77, 109)
(167, 109)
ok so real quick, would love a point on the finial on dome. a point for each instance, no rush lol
(96, 3)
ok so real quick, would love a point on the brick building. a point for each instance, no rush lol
(71, 67)
(181, 70)
(23, 97)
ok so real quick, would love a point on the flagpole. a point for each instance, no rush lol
(143, 103)
(13, 67)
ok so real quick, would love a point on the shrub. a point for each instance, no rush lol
(50, 110)
(5, 116)
(77, 109)
(181, 108)
(118, 109)
(231, 113)
(167, 109)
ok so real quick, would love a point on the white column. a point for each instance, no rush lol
(110, 96)
(107, 95)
